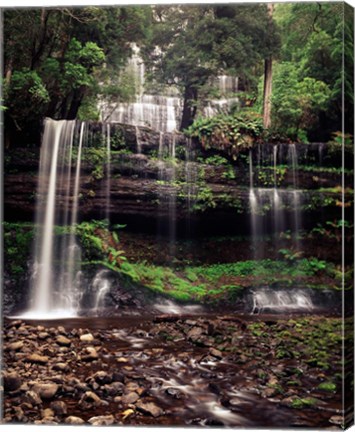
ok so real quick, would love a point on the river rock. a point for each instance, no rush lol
(216, 353)
(90, 354)
(12, 381)
(337, 420)
(88, 337)
(114, 389)
(47, 413)
(102, 420)
(36, 358)
(63, 341)
(15, 346)
(33, 398)
(90, 398)
(59, 407)
(74, 420)
(130, 398)
(63, 367)
(45, 390)
(103, 378)
(195, 333)
(149, 408)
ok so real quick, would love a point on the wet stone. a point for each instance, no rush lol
(45, 390)
(149, 408)
(88, 337)
(216, 353)
(74, 420)
(63, 341)
(36, 358)
(90, 354)
(130, 398)
(90, 398)
(61, 367)
(15, 346)
(102, 420)
(173, 392)
(12, 381)
(33, 398)
(59, 407)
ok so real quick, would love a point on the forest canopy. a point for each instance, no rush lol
(60, 62)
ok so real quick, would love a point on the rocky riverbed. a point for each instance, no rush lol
(172, 370)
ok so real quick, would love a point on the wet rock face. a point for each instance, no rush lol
(174, 371)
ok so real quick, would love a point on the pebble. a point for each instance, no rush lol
(102, 420)
(12, 381)
(88, 337)
(130, 398)
(33, 398)
(59, 407)
(74, 420)
(127, 413)
(36, 358)
(149, 408)
(337, 420)
(90, 354)
(63, 367)
(16, 346)
(48, 412)
(216, 353)
(63, 341)
(45, 390)
(90, 397)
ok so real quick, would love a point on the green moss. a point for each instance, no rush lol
(303, 403)
(327, 386)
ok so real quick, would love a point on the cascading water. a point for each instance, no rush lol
(101, 286)
(167, 193)
(56, 256)
(108, 171)
(273, 300)
(296, 195)
(278, 200)
(253, 204)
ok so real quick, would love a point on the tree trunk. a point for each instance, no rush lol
(268, 79)
(75, 104)
(267, 92)
(189, 108)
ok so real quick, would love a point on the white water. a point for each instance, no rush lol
(101, 286)
(55, 281)
(271, 300)
(108, 172)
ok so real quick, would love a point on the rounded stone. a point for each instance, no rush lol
(12, 381)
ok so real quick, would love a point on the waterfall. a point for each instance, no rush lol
(253, 204)
(108, 172)
(52, 294)
(172, 197)
(296, 196)
(101, 286)
(167, 190)
(271, 300)
(277, 200)
(277, 204)
(161, 113)
(191, 178)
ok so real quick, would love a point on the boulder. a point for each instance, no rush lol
(12, 381)
(45, 390)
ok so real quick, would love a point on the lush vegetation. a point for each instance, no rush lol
(60, 62)
(227, 133)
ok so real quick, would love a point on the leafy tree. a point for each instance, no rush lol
(312, 35)
(65, 58)
(191, 44)
(296, 101)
